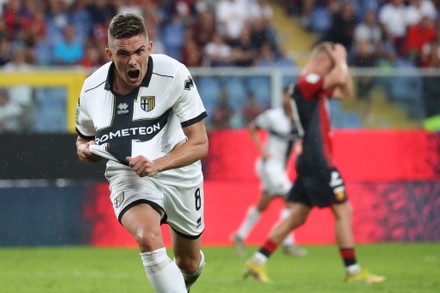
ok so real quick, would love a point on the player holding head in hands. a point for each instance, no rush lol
(318, 182)
(143, 112)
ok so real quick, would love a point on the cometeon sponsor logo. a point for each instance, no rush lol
(127, 132)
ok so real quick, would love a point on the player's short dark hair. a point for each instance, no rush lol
(127, 25)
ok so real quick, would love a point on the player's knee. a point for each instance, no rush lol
(343, 212)
(301, 221)
(148, 240)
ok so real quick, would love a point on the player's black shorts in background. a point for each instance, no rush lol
(317, 184)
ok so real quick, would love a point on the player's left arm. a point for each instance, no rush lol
(343, 86)
(345, 90)
(194, 148)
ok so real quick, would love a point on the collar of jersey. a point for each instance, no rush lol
(145, 81)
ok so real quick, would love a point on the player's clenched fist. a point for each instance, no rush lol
(142, 166)
(84, 153)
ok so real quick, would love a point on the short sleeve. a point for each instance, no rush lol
(83, 122)
(189, 107)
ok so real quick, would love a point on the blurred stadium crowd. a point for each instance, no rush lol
(199, 33)
(209, 33)
(217, 33)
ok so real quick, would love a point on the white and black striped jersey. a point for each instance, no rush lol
(281, 133)
(149, 120)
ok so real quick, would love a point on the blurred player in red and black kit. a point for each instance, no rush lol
(318, 183)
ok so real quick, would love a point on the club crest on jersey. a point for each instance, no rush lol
(147, 103)
(122, 108)
(119, 199)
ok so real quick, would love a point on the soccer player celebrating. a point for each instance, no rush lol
(318, 182)
(283, 136)
(143, 111)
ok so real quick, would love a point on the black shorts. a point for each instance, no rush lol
(321, 188)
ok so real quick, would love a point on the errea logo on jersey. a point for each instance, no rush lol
(122, 108)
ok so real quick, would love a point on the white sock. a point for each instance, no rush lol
(163, 274)
(249, 221)
(290, 239)
(353, 269)
(190, 279)
(259, 258)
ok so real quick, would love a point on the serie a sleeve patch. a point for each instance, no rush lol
(312, 78)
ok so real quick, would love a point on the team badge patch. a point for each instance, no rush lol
(339, 193)
(148, 103)
(119, 199)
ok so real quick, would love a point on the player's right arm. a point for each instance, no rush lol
(86, 133)
(83, 150)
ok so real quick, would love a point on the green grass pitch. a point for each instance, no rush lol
(407, 267)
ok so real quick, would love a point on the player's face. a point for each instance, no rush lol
(326, 63)
(130, 57)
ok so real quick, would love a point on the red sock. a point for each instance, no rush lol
(268, 248)
(348, 256)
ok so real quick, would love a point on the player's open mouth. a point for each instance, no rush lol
(134, 73)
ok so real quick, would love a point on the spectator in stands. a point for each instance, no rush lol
(368, 31)
(158, 47)
(431, 51)
(80, 18)
(43, 51)
(231, 16)
(364, 57)
(128, 6)
(342, 26)
(223, 113)
(431, 83)
(392, 18)
(217, 52)
(173, 37)
(37, 27)
(20, 94)
(418, 9)
(5, 51)
(69, 51)
(259, 9)
(17, 19)
(92, 57)
(191, 54)
(306, 8)
(205, 27)
(10, 114)
(244, 52)
(3, 30)
(418, 35)
(266, 57)
(262, 32)
(367, 43)
(251, 109)
(101, 11)
(57, 19)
